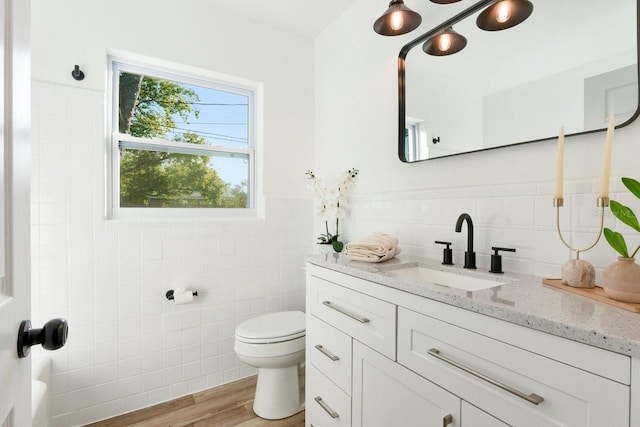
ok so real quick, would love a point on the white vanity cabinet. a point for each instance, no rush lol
(336, 315)
(405, 360)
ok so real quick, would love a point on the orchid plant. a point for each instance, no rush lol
(329, 202)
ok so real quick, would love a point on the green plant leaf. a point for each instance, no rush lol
(624, 214)
(324, 239)
(616, 240)
(632, 185)
(337, 246)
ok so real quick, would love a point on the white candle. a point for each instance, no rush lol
(559, 164)
(606, 160)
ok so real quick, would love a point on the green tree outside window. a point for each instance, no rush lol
(147, 108)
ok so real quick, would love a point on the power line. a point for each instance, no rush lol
(210, 133)
(218, 137)
(197, 103)
(214, 103)
(214, 123)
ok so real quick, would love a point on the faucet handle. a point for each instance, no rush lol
(496, 259)
(447, 253)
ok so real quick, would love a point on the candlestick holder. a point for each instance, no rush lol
(578, 272)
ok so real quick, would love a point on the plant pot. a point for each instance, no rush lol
(325, 249)
(621, 280)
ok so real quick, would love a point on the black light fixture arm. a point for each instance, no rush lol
(446, 24)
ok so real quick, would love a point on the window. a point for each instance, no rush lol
(415, 140)
(180, 142)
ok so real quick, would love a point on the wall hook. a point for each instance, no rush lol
(77, 73)
(435, 140)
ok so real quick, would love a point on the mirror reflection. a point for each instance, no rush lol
(572, 63)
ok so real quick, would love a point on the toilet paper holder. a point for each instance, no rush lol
(169, 294)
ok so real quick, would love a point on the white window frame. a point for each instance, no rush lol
(194, 76)
(418, 147)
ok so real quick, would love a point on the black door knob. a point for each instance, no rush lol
(52, 336)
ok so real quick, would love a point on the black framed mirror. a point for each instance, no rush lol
(572, 63)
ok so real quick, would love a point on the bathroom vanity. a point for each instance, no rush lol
(388, 349)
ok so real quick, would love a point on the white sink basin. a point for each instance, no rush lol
(445, 278)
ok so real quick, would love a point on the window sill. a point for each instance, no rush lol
(208, 214)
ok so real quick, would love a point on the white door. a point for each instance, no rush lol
(15, 373)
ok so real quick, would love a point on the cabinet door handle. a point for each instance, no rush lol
(531, 398)
(446, 420)
(327, 353)
(326, 407)
(345, 312)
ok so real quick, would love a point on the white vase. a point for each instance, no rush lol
(621, 280)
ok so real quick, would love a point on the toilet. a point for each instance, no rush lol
(275, 343)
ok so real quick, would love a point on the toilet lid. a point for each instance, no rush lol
(283, 326)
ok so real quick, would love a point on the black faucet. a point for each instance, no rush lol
(469, 255)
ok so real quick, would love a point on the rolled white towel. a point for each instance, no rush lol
(375, 248)
(378, 243)
(368, 256)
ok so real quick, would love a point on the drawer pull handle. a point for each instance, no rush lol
(346, 312)
(327, 353)
(531, 398)
(324, 406)
(448, 419)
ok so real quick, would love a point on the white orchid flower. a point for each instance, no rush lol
(332, 212)
(331, 202)
(333, 195)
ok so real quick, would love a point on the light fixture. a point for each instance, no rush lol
(504, 14)
(444, 1)
(445, 43)
(397, 20)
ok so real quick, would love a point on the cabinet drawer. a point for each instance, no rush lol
(329, 350)
(325, 404)
(367, 319)
(468, 363)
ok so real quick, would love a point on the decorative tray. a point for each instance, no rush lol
(596, 293)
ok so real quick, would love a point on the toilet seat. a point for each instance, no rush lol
(273, 340)
(272, 328)
(273, 349)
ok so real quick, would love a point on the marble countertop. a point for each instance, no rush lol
(524, 301)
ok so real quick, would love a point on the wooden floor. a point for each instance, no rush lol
(225, 406)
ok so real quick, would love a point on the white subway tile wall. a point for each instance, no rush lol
(128, 346)
(519, 216)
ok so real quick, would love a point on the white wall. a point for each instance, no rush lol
(543, 101)
(129, 347)
(507, 191)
